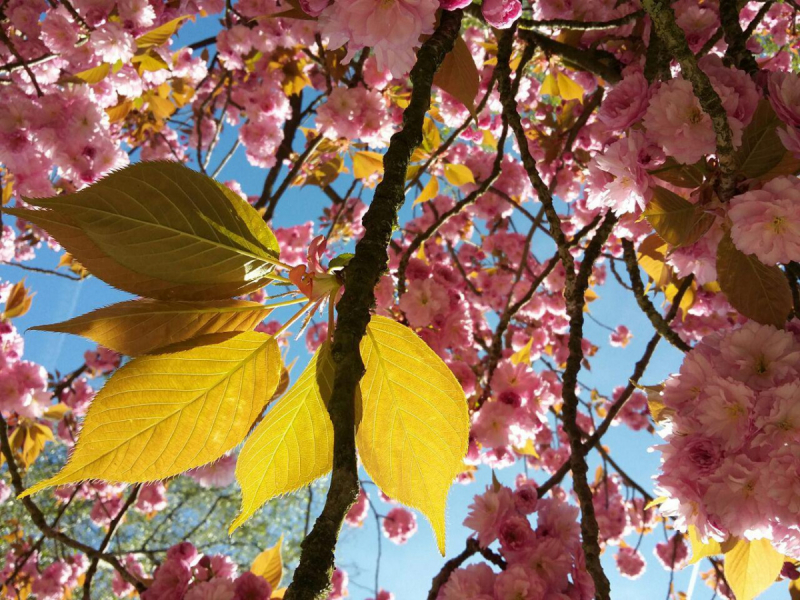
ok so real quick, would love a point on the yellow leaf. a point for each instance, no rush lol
(794, 589)
(458, 75)
(120, 111)
(165, 221)
(549, 86)
(458, 175)
(568, 89)
(293, 445)
(652, 254)
(701, 549)
(529, 449)
(489, 139)
(160, 34)
(18, 302)
(148, 61)
(366, 164)
(95, 74)
(29, 439)
(159, 416)
(142, 326)
(89, 258)
(655, 502)
(415, 425)
(161, 107)
(57, 411)
(523, 355)
(269, 565)
(430, 191)
(431, 137)
(758, 291)
(279, 594)
(751, 567)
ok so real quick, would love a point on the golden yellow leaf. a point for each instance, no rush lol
(676, 220)
(701, 549)
(549, 86)
(165, 221)
(293, 445)
(279, 594)
(120, 111)
(56, 412)
(160, 34)
(751, 567)
(568, 89)
(159, 416)
(148, 61)
(269, 565)
(95, 74)
(415, 425)
(142, 326)
(29, 439)
(523, 355)
(529, 449)
(18, 302)
(655, 502)
(366, 164)
(429, 192)
(458, 175)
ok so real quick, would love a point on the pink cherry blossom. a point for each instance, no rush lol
(630, 562)
(399, 525)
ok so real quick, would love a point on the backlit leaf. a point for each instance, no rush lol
(655, 502)
(159, 416)
(366, 164)
(293, 445)
(458, 75)
(86, 252)
(751, 567)
(18, 302)
(163, 220)
(684, 176)
(149, 61)
(568, 89)
(95, 74)
(549, 86)
(120, 111)
(269, 565)
(415, 425)
(701, 549)
(458, 175)
(160, 34)
(758, 291)
(142, 326)
(761, 148)
(676, 220)
(429, 192)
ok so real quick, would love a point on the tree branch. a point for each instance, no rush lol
(312, 577)
(674, 39)
(659, 324)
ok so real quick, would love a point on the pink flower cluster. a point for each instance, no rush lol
(50, 582)
(23, 384)
(187, 575)
(542, 562)
(731, 461)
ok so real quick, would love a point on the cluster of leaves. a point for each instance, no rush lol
(201, 377)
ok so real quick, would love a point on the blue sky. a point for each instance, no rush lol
(407, 571)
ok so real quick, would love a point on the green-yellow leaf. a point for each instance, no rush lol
(293, 445)
(758, 291)
(160, 34)
(269, 565)
(86, 252)
(676, 220)
(366, 164)
(523, 355)
(458, 75)
(751, 567)
(142, 326)
(429, 192)
(415, 425)
(458, 175)
(163, 220)
(568, 89)
(159, 416)
(761, 149)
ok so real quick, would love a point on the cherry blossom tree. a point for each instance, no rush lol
(484, 171)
